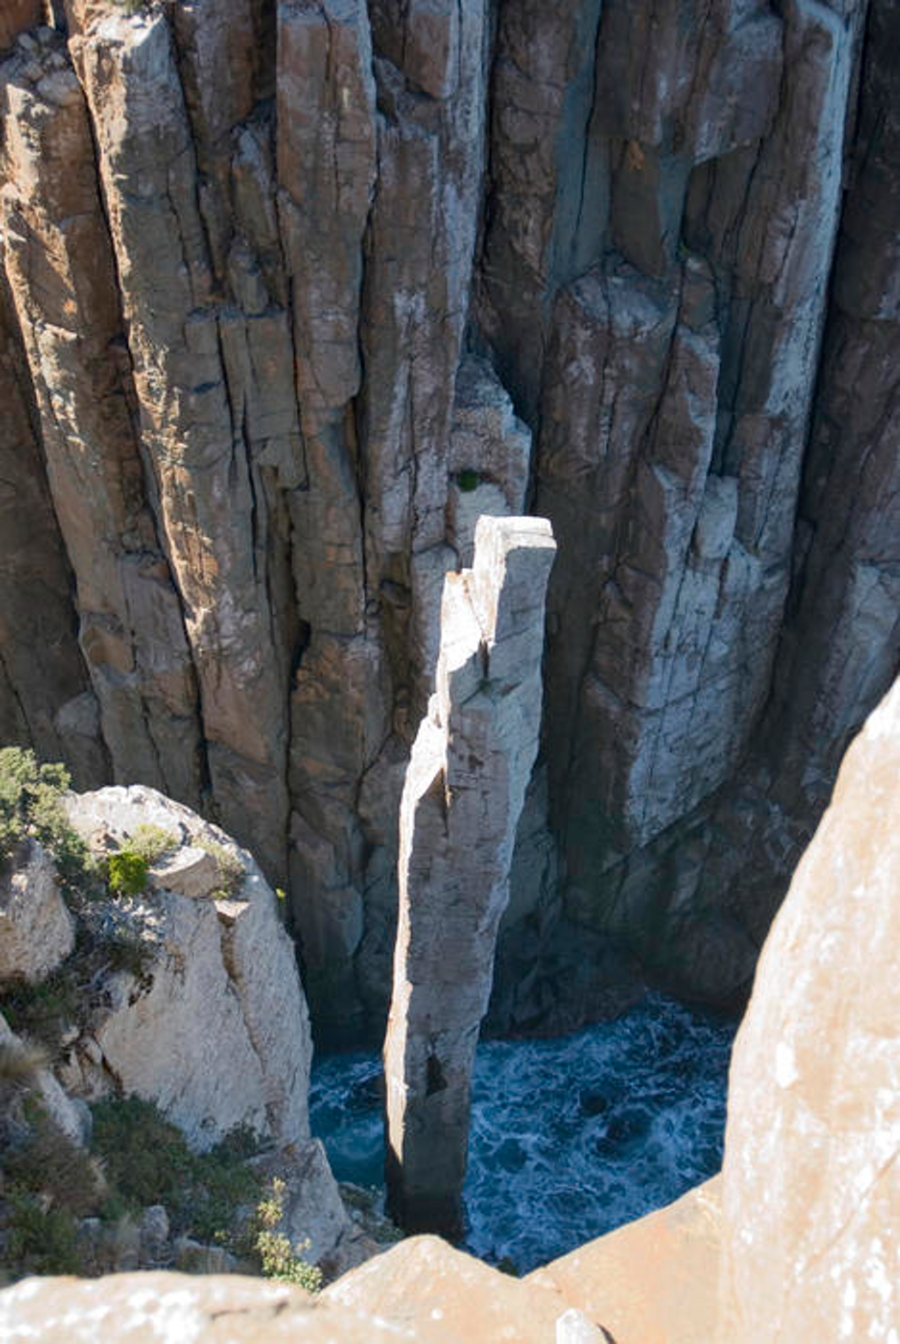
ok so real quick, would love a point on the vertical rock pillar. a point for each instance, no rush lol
(464, 790)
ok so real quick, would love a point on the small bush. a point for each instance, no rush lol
(51, 1165)
(151, 842)
(31, 807)
(231, 871)
(278, 1258)
(43, 1011)
(147, 1160)
(39, 1241)
(20, 1061)
(468, 480)
(127, 873)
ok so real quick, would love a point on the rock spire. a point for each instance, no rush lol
(463, 796)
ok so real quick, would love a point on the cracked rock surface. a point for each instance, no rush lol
(211, 1024)
(293, 291)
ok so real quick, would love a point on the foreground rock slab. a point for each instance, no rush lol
(811, 1179)
(421, 1290)
(172, 1308)
(439, 1293)
(462, 800)
(653, 1281)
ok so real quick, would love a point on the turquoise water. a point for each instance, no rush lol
(570, 1137)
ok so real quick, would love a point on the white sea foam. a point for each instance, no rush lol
(570, 1137)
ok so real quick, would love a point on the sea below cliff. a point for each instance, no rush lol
(570, 1137)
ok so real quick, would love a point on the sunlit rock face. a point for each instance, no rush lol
(212, 1024)
(463, 796)
(293, 293)
(811, 1182)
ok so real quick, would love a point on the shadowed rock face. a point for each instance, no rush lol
(293, 292)
(469, 769)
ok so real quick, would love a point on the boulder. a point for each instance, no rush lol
(653, 1281)
(811, 1178)
(37, 932)
(168, 1308)
(438, 1293)
(208, 1020)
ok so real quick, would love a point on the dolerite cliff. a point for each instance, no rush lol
(294, 291)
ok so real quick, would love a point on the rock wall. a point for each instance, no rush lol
(293, 291)
(794, 1240)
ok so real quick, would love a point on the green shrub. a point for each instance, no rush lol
(147, 1161)
(31, 807)
(151, 842)
(126, 872)
(231, 871)
(39, 1241)
(20, 1061)
(43, 1011)
(278, 1258)
(468, 480)
(51, 1165)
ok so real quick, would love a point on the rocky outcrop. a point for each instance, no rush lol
(652, 1281)
(72, 1117)
(210, 1021)
(811, 1180)
(37, 932)
(462, 800)
(293, 293)
(174, 982)
(801, 1222)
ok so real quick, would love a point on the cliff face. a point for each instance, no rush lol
(294, 291)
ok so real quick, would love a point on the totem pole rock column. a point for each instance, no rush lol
(463, 794)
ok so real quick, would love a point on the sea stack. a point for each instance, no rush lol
(462, 798)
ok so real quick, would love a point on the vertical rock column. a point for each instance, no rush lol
(464, 791)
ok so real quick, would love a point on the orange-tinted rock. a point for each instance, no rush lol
(654, 1281)
(442, 1294)
(811, 1179)
(17, 17)
(164, 1308)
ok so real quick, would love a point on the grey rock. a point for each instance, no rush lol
(461, 804)
(37, 932)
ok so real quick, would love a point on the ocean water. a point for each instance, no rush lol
(570, 1137)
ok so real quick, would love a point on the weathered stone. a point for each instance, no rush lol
(811, 1185)
(461, 804)
(62, 278)
(439, 1293)
(154, 1233)
(213, 1025)
(313, 1214)
(192, 417)
(17, 17)
(652, 1280)
(193, 1257)
(37, 932)
(72, 1117)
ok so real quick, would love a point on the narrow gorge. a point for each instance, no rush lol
(293, 292)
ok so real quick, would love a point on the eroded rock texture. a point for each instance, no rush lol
(811, 1179)
(462, 799)
(208, 1019)
(294, 290)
